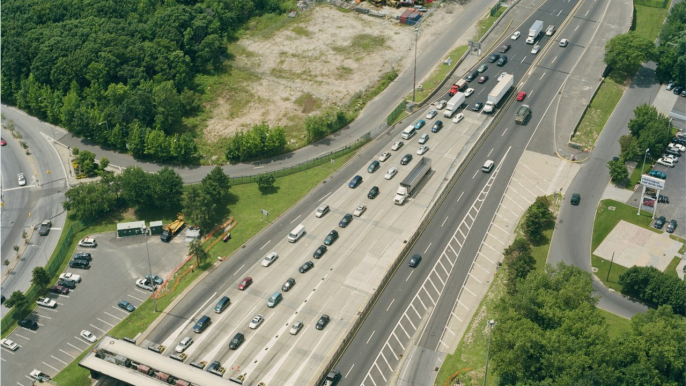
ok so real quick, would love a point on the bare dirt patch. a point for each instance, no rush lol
(321, 58)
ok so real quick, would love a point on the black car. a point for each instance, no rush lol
(319, 252)
(28, 323)
(415, 260)
(472, 75)
(214, 367)
(345, 221)
(677, 90)
(436, 127)
(505, 48)
(501, 61)
(671, 227)
(237, 340)
(493, 58)
(306, 267)
(477, 106)
(331, 237)
(357, 180)
(323, 321)
(663, 199)
(71, 284)
(288, 285)
(576, 199)
(373, 192)
(373, 166)
(83, 256)
(406, 159)
(660, 222)
(83, 264)
(679, 140)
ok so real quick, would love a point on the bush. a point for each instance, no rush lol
(654, 287)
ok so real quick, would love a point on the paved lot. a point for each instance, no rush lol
(91, 306)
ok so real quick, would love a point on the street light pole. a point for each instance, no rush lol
(154, 300)
(642, 170)
(488, 351)
(414, 83)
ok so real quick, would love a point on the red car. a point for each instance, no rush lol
(505, 48)
(2, 142)
(521, 96)
(58, 289)
(245, 283)
(483, 79)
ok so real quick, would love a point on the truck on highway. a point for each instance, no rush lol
(534, 31)
(453, 104)
(498, 92)
(522, 114)
(172, 229)
(413, 179)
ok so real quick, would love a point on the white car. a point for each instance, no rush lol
(397, 145)
(432, 113)
(665, 162)
(256, 321)
(21, 179)
(88, 242)
(184, 344)
(671, 157)
(458, 118)
(296, 327)
(322, 210)
(145, 284)
(8, 344)
(550, 31)
(468, 92)
(87, 335)
(564, 42)
(269, 259)
(359, 210)
(501, 76)
(515, 35)
(46, 302)
(384, 156)
(535, 49)
(422, 149)
(391, 173)
(71, 276)
(423, 138)
(39, 375)
(677, 146)
(441, 104)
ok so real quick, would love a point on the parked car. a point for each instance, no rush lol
(323, 321)
(345, 221)
(46, 302)
(355, 182)
(677, 90)
(670, 86)
(87, 335)
(60, 290)
(290, 283)
(9, 344)
(665, 162)
(269, 259)
(397, 145)
(126, 306)
(373, 192)
(245, 283)
(672, 226)
(415, 260)
(88, 242)
(28, 324)
(422, 140)
(83, 256)
(319, 252)
(660, 222)
(658, 174)
(39, 375)
(71, 284)
(663, 199)
(384, 156)
(331, 237)
(145, 284)
(155, 279)
(437, 127)
(308, 265)
(83, 264)
(361, 208)
(71, 276)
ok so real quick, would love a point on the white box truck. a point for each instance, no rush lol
(413, 179)
(498, 92)
(534, 31)
(453, 104)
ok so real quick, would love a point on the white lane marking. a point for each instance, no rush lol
(43, 316)
(408, 276)
(351, 369)
(265, 244)
(118, 318)
(541, 76)
(23, 337)
(389, 306)
(427, 248)
(295, 219)
(98, 328)
(238, 270)
(21, 187)
(170, 340)
(325, 196)
(559, 13)
(109, 324)
(504, 131)
(577, 27)
(258, 167)
(489, 153)
(522, 61)
(370, 337)
(587, 13)
(80, 349)
(446, 219)
(140, 300)
(141, 291)
(553, 60)
(474, 176)
(52, 367)
(72, 357)
(458, 199)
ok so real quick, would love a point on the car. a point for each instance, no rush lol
(420, 8)
(323, 321)
(658, 174)
(126, 306)
(319, 252)
(8, 344)
(415, 260)
(44, 228)
(468, 92)
(432, 113)
(477, 106)
(322, 210)
(28, 324)
(397, 145)
(21, 179)
(71, 284)
(202, 324)
(346, 220)
(660, 222)
(564, 42)
(391, 173)
(87, 335)
(482, 68)
(673, 151)
(373, 192)
(488, 166)
(60, 290)
(145, 284)
(296, 327)
(672, 226)
(677, 146)
(502, 61)
(670, 86)
(88, 242)
(515, 35)
(679, 140)
(505, 48)
(422, 140)
(384, 156)
(576, 199)
(245, 283)
(39, 375)
(671, 157)
(155, 279)
(550, 30)
(483, 79)
(331, 237)
(535, 49)
(373, 166)
(71, 276)
(501, 76)
(256, 321)
(472, 75)
(46, 302)
(493, 58)
(683, 94)
(83, 256)
(215, 367)
(361, 208)
(458, 118)
(422, 149)
(83, 264)
(665, 162)
(441, 104)
(663, 199)
(677, 90)
(436, 127)
(406, 159)
(184, 344)
(306, 267)
(521, 96)
(420, 123)
(237, 340)
(355, 182)
(288, 285)
(332, 378)
(2, 142)
(269, 259)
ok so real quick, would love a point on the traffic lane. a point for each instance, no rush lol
(14, 197)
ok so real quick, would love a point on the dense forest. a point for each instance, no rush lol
(120, 72)
(671, 51)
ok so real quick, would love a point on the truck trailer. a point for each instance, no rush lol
(413, 179)
(498, 92)
(453, 104)
(534, 31)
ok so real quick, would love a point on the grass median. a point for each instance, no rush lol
(439, 73)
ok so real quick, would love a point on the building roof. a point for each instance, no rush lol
(130, 225)
(155, 223)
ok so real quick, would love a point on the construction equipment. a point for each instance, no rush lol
(172, 229)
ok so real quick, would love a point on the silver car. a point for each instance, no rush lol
(423, 138)
(296, 327)
(391, 173)
(535, 49)
(184, 344)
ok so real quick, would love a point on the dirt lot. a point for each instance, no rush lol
(322, 57)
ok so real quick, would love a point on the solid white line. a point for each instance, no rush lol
(408, 276)
(72, 357)
(446, 219)
(389, 306)
(553, 60)
(370, 337)
(23, 337)
(558, 14)
(265, 244)
(238, 270)
(320, 200)
(577, 27)
(477, 172)
(80, 349)
(140, 300)
(111, 325)
(141, 291)
(458, 199)
(296, 218)
(523, 59)
(52, 367)
(103, 331)
(119, 319)
(351, 369)
(43, 316)
(505, 131)
(587, 13)
(427, 248)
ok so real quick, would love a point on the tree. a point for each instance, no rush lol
(629, 146)
(216, 184)
(654, 287)
(538, 218)
(104, 162)
(199, 207)
(135, 187)
(40, 278)
(519, 262)
(17, 300)
(625, 53)
(92, 200)
(265, 182)
(618, 170)
(196, 249)
(86, 161)
(166, 189)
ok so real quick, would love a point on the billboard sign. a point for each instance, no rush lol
(652, 182)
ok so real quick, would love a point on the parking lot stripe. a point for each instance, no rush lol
(2, 359)
(48, 309)
(64, 296)
(141, 291)
(52, 367)
(58, 359)
(140, 300)
(111, 325)
(80, 350)
(42, 325)
(119, 319)
(6, 351)
(23, 337)
(103, 331)
(73, 357)
(43, 316)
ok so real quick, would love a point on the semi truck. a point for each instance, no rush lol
(498, 92)
(453, 104)
(413, 179)
(534, 31)
(172, 229)
(522, 114)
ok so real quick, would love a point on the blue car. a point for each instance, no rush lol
(419, 124)
(658, 174)
(126, 305)
(355, 182)
(437, 127)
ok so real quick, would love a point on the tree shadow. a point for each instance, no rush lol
(269, 190)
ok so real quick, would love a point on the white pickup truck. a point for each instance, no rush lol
(71, 276)
(46, 302)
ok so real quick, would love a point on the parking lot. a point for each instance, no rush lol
(92, 306)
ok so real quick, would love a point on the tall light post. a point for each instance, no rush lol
(488, 351)
(144, 231)
(414, 82)
(642, 169)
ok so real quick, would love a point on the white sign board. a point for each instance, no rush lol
(652, 182)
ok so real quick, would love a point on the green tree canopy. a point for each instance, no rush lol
(519, 262)
(40, 278)
(618, 170)
(624, 53)
(17, 300)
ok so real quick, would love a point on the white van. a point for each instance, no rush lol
(488, 166)
(296, 233)
(409, 132)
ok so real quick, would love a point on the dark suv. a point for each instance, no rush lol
(331, 237)
(83, 264)
(28, 323)
(373, 192)
(83, 256)
(71, 284)
(237, 340)
(472, 75)
(660, 222)
(323, 321)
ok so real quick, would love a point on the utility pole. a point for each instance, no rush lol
(414, 83)
(144, 231)
(491, 323)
